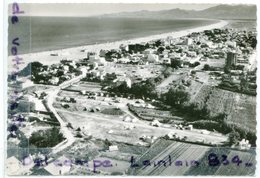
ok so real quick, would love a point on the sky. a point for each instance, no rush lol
(86, 9)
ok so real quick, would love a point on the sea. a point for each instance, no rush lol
(38, 34)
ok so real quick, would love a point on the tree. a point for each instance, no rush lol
(206, 67)
(160, 49)
(158, 43)
(176, 63)
(233, 137)
(46, 138)
(226, 70)
(193, 72)
(176, 97)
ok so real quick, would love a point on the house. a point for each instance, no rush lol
(102, 53)
(169, 40)
(187, 41)
(123, 60)
(113, 148)
(152, 58)
(65, 68)
(54, 80)
(244, 145)
(189, 127)
(127, 119)
(148, 139)
(175, 55)
(54, 54)
(60, 166)
(166, 60)
(191, 54)
(171, 135)
(83, 69)
(124, 47)
(25, 83)
(156, 123)
(15, 167)
(92, 56)
(124, 79)
(148, 51)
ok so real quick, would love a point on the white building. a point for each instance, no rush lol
(60, 166)
(152, 58)
(113, 148)
(15, 167)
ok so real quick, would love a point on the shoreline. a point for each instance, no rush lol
(73, 53)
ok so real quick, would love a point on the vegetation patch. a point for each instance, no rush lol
(46, 138)
(112, 111)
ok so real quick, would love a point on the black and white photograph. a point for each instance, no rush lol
(131, 89)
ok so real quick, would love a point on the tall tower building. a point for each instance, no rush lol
(231, 59)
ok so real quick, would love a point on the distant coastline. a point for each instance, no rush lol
(74, 53)
(39, 34)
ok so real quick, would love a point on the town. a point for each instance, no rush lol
(143, 100)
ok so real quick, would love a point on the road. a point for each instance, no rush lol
(64, 130)
(52, 94)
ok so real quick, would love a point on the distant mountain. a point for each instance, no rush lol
(216, 12)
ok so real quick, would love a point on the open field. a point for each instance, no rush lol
(240, 108)
(188, 153)
(178, 151)
(151, 114)
(133, 71)
(99, 124)
(85, 86)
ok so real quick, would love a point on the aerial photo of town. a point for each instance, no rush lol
(179, 98)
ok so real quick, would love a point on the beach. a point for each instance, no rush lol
(75, 53)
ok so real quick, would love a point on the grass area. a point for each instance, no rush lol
(46, 138)
(112, 111)
(151, 114)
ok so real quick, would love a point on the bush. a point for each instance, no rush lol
(113, 111)
(46, 138)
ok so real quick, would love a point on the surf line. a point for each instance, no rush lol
(16, 120)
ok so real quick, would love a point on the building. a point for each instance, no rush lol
(92, 56)
(166, 60)
(124, 79)
(15, 167)
(60, 166)
(113, 148)
(188, 41)
(54, 80)
(244, 145)
(152, 58)
(124, 47)
(231, 59)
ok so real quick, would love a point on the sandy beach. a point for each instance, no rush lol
(75, 52)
